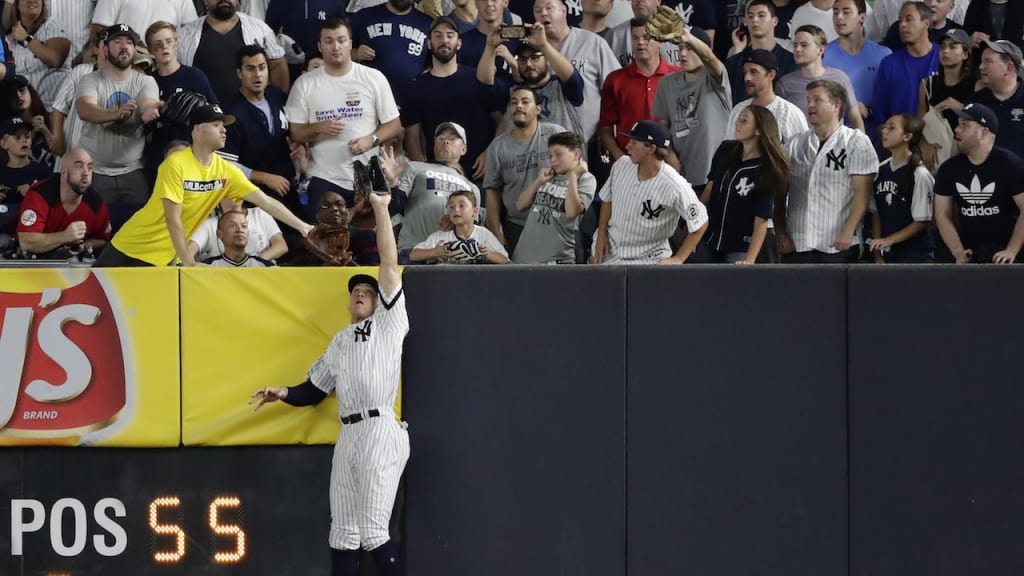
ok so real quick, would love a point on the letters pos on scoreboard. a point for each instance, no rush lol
(185, 511)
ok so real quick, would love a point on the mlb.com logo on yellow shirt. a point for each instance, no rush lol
(205, 185)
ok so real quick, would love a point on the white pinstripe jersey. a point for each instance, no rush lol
(64, 102)
(253, 32)
(645, 214)
(74, 16)
(141, 14)
(362, 362)
(790, 118)
(821, 188)
(45, 79)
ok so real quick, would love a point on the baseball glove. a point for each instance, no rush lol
(666, 25)
(464, 251)
(432, 8)
(330, 244)
(178, 108)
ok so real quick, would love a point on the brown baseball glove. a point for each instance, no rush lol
(432, 8)
(330, 244)
(666, 25)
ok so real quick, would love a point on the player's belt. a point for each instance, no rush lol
(358, 416)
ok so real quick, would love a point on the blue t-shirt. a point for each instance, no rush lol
(184, 79)
(898, 82)
(458, 98)
(861, 67)
(301, 20)
(1011, 117)
(398, 41)
(473, 44)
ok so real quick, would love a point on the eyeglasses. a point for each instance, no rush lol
(535, 57)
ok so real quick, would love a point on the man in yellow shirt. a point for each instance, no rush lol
(189, 184)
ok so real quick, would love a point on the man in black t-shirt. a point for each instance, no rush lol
(986, 185)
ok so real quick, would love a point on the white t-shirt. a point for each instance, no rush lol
(141, 14)
(480, 235)
(261, 229)
(362, 98)
(788, 116)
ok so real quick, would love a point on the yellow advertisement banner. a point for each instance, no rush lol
(245, 329)
(89, 357)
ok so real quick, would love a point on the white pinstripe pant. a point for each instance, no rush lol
(369, 458)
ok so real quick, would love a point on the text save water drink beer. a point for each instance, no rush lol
(63, 375)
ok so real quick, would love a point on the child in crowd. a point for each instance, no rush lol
(465, 243)
(902, 199)
(556, 201)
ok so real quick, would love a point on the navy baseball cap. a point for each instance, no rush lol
(209, 113)
(650, 132)
(981, 114)
(362, 279)
(701, 35)
(120, 30)
(959, 36)
(1005, 47)
(446, 21)
(13, 126)
(762, 58)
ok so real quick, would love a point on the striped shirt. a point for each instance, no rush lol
(247, 261)
(645, 213)
(253, 32)
(74, 16)
(790, 118)
(141, 14)
(64, 102)
(363, 361)
(821, 187)
(45, 79)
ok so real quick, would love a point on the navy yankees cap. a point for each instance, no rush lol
(1005, 47)
(447, 21)
(650, 132)
(762, 58)
(15, 125)
(209, 113)
(981, 114)
(362, 279)
(120, 30)
(959, 36)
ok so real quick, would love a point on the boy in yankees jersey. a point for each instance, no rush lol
(361, 365)
(642, 202)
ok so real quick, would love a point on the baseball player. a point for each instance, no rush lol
(361, 365)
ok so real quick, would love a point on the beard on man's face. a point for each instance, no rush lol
(401, 5)
(224, 11)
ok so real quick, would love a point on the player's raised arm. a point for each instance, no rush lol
(386, 245)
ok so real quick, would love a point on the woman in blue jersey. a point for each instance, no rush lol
(902, 198)
(746, 175)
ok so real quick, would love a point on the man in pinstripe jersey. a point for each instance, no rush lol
(642, 202)
(361, 364)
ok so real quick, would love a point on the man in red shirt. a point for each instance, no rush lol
(628, 93)
(61, 217)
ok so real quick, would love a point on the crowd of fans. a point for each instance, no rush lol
(544, 132)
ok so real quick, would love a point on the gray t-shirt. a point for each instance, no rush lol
(512, 165)
(594, 60)
(698, 111)
(116, 147)
(549, 236)
(793, 87)
(427, 186)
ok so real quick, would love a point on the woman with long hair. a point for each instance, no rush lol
(902, 199)
(746, 175)
(40, 48)
(948, 89)
(23, 101)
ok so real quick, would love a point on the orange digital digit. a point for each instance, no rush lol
(227, 529)
(178, 553)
